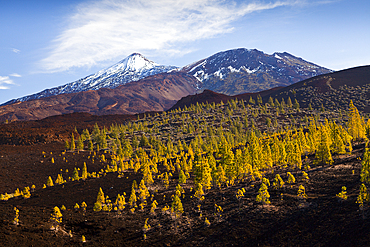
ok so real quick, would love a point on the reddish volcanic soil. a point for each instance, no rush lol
(319, 221)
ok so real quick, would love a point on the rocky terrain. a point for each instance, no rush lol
(32, 151)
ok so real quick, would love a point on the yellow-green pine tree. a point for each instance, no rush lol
(56, 216)
(356, 124)
(323, 154)
(263, 195)
(176, 206)
(49, 182)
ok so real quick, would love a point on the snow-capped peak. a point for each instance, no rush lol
(132, 68)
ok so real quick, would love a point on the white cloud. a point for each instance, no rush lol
(4, 81)
(110, 29)
(15, 75)
(16, 50)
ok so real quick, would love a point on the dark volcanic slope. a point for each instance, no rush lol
(210, 97)
(333, 90)
(153, 93)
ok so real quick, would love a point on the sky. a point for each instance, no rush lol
(44, 44)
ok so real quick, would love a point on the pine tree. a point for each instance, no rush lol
(166, 181)
(120, 203)
(263, 195)
(323, 154)
(56, 216)
(176, 206)
(132, 199)
(278, 182)
(16, 217)
(199, 192)
(59, 179)
(84, 172)
(90, 146)
(291, 178)
(143, 192)
(356, 124)
(342, 196)
(305, 175)
(72, 146)
(301, 192)
(182, 177)
(75, 176)
(84, 206)
(365, 168)
(100, 198)
(80, 144)
(239, 195)
(26, 192)
(49, 182)
(153, 207)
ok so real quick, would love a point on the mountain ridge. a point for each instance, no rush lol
(244, 70)
(132, 68)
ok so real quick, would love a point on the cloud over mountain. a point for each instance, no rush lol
(107, 29)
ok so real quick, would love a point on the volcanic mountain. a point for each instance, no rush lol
(154, 93)
(246, 71)
(332, 91)
(132, 68)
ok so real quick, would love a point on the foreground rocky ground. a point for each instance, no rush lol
(320, 220)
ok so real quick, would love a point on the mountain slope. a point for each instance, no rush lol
(333, 90)
(154, 93)
(132, 68)
(245, 71)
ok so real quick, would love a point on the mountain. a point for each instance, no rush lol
(245, 71)
(332, 91)
(154, 93)
(132, 68)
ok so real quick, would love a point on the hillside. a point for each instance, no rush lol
(154, 93)
(220, 161)
(333, 90)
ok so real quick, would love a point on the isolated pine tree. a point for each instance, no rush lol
(75, 176)
(84, 172)
(49, 182)
(100, 198)
(278, 182)
(342, 196)
(301, 192)
(263, 195)
(176, 206)
(291, 178)
(56, 216)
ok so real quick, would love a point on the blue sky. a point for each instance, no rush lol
(47, 43)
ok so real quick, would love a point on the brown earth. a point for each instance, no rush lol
(154, 93)
(321, 220)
